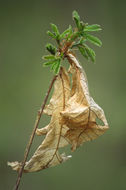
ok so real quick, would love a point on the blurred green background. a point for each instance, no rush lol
(97, 165)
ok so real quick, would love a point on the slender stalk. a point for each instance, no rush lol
(33, 134)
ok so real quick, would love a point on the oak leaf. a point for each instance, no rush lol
(73, 119)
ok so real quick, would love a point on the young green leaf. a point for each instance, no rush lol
(76, 18)
(57, 67)
(82, 40)
(83, 52)
(51, 48)
(82, 25)
(46, 64)
(94, 40)
(70, 32)
(90, 53)
(53, 66)
(49, 57)
(55, 30)
(65, 33)
(92, 28)
(51, 34)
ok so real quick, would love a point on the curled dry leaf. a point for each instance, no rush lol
(73, 120)
(81, 110)
(47, 154)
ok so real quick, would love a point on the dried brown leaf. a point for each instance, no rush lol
(47, 154)
(81, 110)
(73, 120)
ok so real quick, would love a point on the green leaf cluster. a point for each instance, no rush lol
(53, 61)
(51, 48)
(55, 32)
(76, 37)
(57, 36)
(84, 36)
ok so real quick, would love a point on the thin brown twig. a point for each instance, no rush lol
(33, 134)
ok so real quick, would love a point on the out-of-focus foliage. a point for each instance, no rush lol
(100, 164)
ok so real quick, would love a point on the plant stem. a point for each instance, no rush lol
(33, 134)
